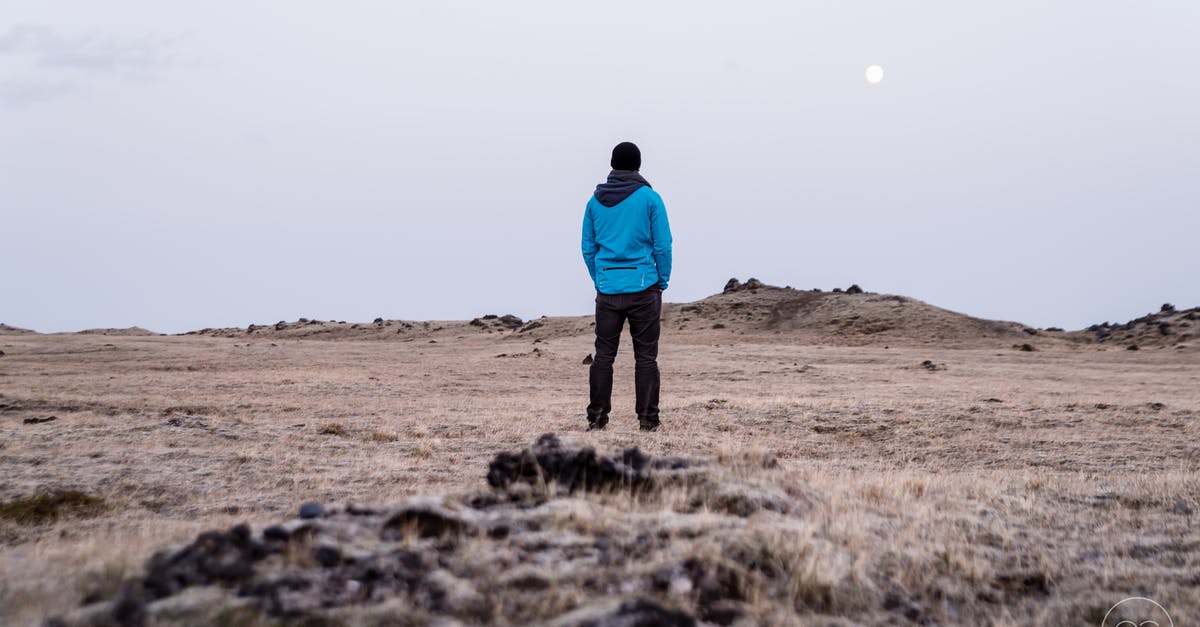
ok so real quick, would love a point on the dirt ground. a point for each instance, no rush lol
(997, 485)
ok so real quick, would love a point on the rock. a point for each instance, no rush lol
(731, 286)
(1, 353)
(37, 421)
(752, 284)
(328, 556)
(1181, 507)
(854, 289)
(587, 361)
(311, 509)
(378, 321)
(929, 365)
(427, 518)
(718, 326)
(1167, 308)
(510, 321)
(551, 462)
(1028, 348)
(534, 324)
(214, 557)
(1131, 347)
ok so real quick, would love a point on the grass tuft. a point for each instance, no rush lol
(333, 428)
(50, 506)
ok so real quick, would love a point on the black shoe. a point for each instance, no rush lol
(648, 426)
(597, 425)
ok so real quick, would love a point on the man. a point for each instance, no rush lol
(627, 249)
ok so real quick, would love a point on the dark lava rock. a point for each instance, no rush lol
(1167, 308)
(929, 365)
(510, 321)
(426, 521)
(549, 460)
(36, 421)
(1131, 347)
(533, 324)
(328, 556)
(215, 557)
(277, 533)
(587, 361)
(312, 509)
(1, 353)
(854, 289)
(734, 286)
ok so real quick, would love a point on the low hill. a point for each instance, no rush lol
(127, 331)
(10, 330)
(1168, 327)
(750, 311)
(851, 317)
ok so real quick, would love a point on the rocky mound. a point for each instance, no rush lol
(851, 316)
(10, 330)
(128, 331)
(380, 328)
(1169, 327)
(564, 536)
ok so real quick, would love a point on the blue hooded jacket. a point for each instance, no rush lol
(626, 236)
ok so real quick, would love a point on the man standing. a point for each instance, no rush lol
(627, 249)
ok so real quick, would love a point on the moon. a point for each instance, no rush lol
(874, 74)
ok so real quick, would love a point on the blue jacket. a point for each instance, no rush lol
(627, 245)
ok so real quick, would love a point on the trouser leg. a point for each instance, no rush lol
(644, 327)
(610, 319)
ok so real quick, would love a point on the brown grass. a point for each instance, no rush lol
(1006, 487)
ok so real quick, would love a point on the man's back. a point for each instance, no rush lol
(627, 245)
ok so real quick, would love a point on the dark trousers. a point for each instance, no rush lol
(642, 310)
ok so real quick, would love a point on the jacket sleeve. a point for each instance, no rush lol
(589, 242)
(660, 234)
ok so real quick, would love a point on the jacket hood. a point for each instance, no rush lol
(619, 186)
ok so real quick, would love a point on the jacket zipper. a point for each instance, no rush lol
(620, 268)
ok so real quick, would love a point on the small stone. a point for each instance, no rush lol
(854, 289)
(588, 360)
(35, 421)
(328, 556)
(276, 532)
(311, 509)
(1181, 507)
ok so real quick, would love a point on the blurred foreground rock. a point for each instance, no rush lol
(564, 536)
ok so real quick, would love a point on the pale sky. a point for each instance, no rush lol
(187, 165)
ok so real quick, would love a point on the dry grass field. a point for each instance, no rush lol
(939, 477)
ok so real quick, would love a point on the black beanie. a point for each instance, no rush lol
(626, 156)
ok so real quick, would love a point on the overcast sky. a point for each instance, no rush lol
(187, 165)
